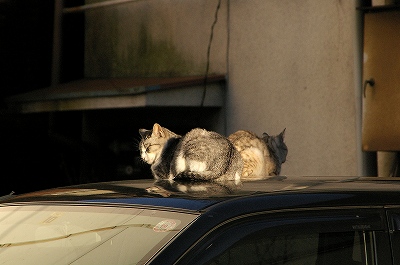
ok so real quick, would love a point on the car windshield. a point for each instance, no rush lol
(78, 234)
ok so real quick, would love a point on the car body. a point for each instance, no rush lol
(280, 220)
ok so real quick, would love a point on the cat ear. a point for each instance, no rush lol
(282, 134)
(265, 135)
(158, 130)
(143, 132)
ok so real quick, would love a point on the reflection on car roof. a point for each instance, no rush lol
(195, 196)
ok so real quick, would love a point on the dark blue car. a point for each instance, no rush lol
(281, 220)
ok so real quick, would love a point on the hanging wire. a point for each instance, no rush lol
(209, 52)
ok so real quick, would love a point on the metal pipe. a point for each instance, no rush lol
(83, 8)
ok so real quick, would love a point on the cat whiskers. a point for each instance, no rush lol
(136, 142)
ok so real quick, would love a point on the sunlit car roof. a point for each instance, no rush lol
(335, 190)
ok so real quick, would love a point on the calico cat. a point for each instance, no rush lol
(198, 155)
(262, 156)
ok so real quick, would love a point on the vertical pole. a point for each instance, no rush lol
(56, 58)
(386, 163)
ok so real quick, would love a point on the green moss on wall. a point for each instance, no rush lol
(148, 57)
(111, 53)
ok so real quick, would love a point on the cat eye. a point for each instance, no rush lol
(152, 148)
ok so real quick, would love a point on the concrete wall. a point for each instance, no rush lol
(290, 64)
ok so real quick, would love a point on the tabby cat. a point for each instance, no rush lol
(262, 156)
(198, 155)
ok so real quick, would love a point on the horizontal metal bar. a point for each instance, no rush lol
(83, 8)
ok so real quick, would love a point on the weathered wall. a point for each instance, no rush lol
(292, 65)
(155, 38)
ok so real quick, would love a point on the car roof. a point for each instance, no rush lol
(273, 193)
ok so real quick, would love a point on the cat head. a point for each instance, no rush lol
(277, 148)
(153, 141)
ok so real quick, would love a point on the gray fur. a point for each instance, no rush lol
(277, 148)
(198, 155)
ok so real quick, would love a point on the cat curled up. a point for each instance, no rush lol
(198, 155)
(262, 156)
